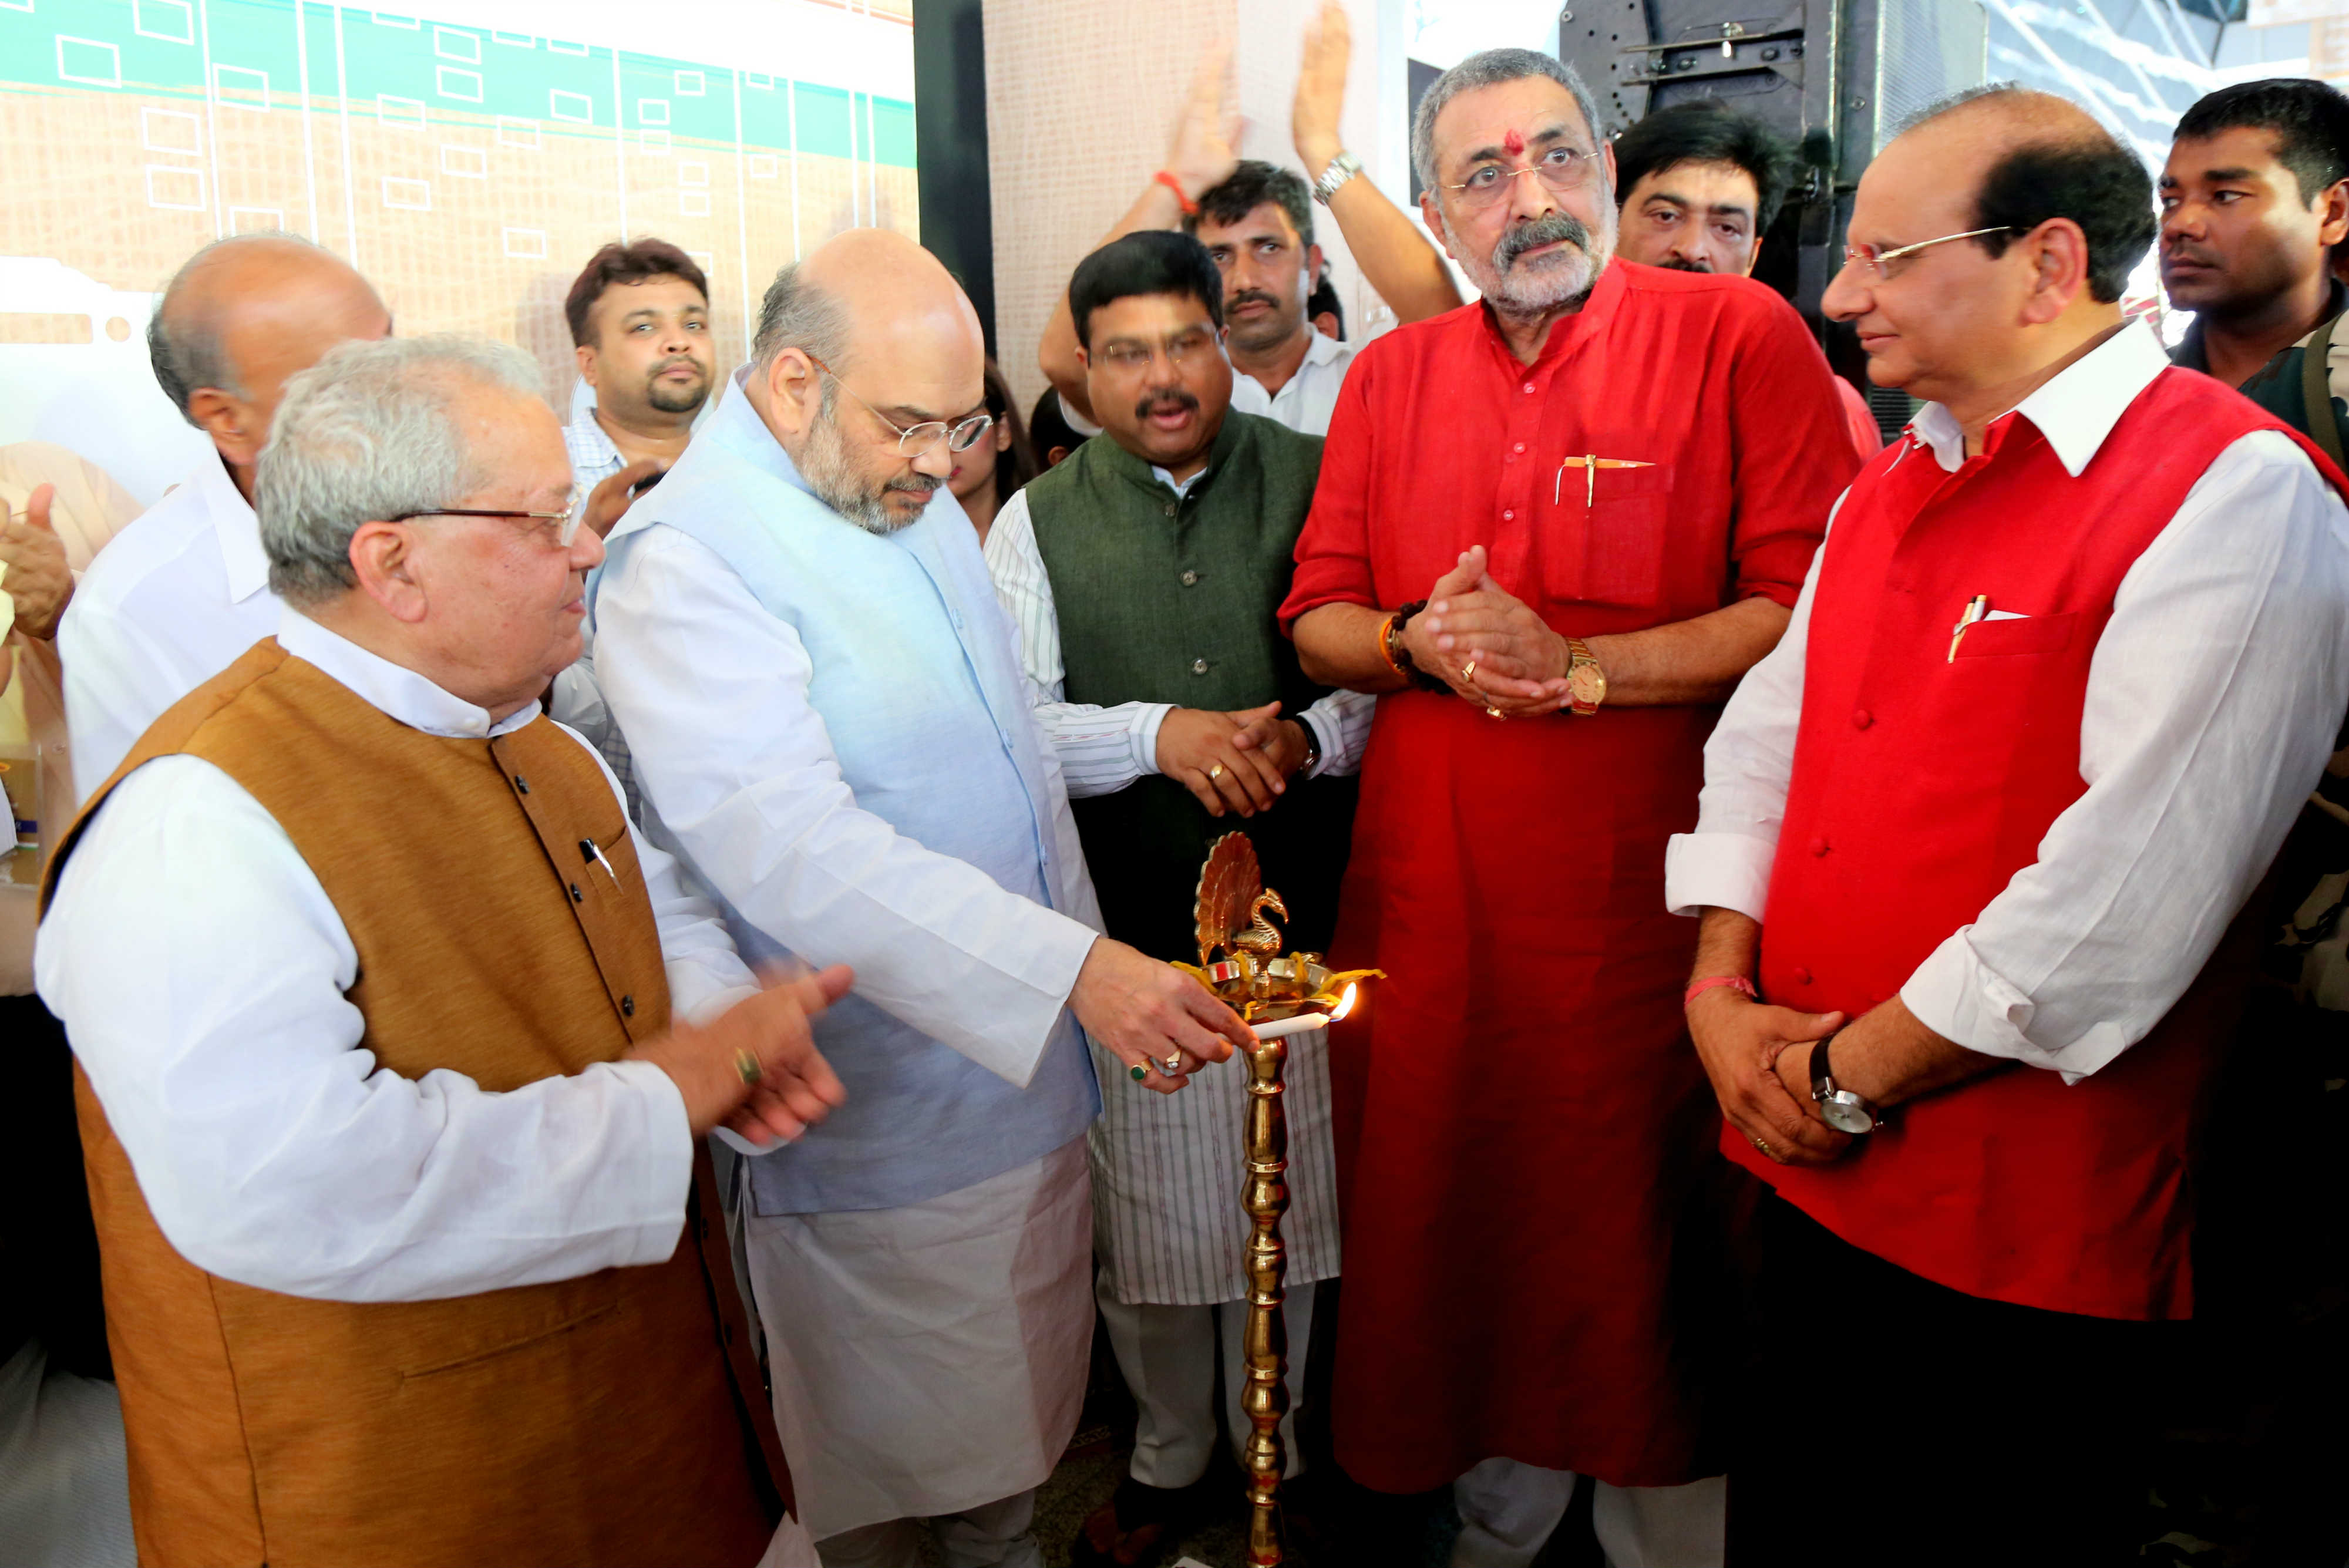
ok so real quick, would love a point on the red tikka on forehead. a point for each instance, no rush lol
(1514, 143)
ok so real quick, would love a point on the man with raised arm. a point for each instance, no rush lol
(1256, 221)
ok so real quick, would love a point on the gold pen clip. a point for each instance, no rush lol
(1590, 467)
(1976, 608)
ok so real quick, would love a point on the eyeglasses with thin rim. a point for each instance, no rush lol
(1131, 358)
(1562, 168)
(922, 439)
(1875, 258)
(566, 520)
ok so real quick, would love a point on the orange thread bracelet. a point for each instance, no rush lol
(1190, 208)
(1734, 981)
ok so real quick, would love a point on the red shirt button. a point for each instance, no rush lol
(1861, 718)
(1530, 386)
(1818, 846)
(1802, 977)
(1508, 517)
(1519, 447)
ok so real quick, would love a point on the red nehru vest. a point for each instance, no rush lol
(1921, 784)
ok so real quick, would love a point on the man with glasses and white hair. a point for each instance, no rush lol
(1983, 833)
(1552, 529)
(831, 726)
(391, 1109)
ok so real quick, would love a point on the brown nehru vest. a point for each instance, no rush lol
(610, 1419)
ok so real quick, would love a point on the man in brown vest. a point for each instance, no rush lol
(410, 1249)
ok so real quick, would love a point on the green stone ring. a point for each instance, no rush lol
(1138, 1073)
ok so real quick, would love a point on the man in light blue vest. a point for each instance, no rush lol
(832, 730)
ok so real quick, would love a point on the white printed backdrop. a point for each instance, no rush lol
(467, 158)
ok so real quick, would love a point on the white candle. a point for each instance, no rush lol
(1280, 1028)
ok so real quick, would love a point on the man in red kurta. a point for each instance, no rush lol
(1608, 482)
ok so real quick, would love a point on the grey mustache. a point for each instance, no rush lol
(1535, 232)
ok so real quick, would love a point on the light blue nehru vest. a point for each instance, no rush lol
(917, 680)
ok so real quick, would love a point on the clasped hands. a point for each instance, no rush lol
(1759, 1059)
(1487, 644)
(1237, 762)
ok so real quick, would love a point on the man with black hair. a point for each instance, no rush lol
(2253, 197)
(1256, 221)
(1699, 185)
(1972, 842)
(639, 320)
(1049, 430)
(1142, 574)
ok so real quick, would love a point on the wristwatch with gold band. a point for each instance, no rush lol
(1585, 683)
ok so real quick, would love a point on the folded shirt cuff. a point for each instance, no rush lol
(1718, 870)
(1147, 718)
(1961, 998)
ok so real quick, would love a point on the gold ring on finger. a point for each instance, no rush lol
(1495, 713)
(747, 1068)
(1217, 772)
(1468, 671)
(1173, 1063)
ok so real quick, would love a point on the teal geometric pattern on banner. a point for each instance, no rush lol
(414, 71)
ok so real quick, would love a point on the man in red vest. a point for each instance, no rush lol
(1976, 832)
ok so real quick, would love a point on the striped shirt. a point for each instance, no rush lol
(1104, 749)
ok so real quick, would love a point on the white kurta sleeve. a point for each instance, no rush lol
(119, 677)
(2213, 700)
(1101, 749)
(201, 973)
(737, 768)
(1725, 863)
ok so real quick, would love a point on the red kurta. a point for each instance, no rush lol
(1522, 1114)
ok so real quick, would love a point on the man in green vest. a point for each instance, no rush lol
(1143, 573)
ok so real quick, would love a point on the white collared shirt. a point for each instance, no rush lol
(170, 602)
(2213, 698)
(201, 972)
(1307, 399)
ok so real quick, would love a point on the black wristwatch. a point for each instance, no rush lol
(1839, 1108)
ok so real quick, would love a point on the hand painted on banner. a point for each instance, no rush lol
(38, 577)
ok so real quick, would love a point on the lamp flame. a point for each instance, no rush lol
(1345, 1003)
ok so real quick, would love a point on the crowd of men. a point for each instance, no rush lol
(615, 970)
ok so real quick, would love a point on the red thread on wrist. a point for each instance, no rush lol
(1737, 982)
(1190, 208)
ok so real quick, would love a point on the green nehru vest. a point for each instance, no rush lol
(1167, 599)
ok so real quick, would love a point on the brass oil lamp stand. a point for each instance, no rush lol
(1280, 998)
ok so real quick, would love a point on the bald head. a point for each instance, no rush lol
(240, 317)
(871, 314)
(2042, 157)
(870, 293)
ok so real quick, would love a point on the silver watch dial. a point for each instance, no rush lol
(1842, 1111)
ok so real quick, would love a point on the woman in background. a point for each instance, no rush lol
(993, 472)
